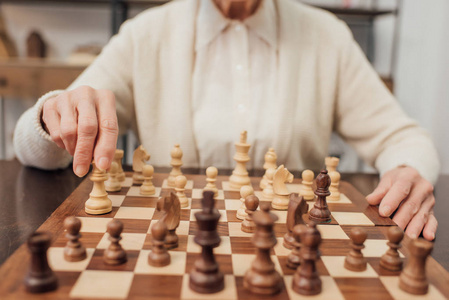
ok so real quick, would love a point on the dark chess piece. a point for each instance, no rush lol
(306, 280)
(294, 258)
(115, 254)
(205, 277)
(413, 278)
(40, 277)
(172, 216)
(354, 260)
(297, 206)
(262, 278)
(159, 256)
(320, 213)
(74, 250)
(391, 260)
(251, 203)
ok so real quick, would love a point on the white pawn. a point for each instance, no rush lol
(270, 162)
(211, 174)
(334, 187)
(147, 187)
(176, 163)
(112, 184)
(331, 163)
(307, 181)
(180, 183)
(245, 191)
(268, 191)
(98, 202)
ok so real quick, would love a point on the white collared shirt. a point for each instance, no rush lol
(234, 82)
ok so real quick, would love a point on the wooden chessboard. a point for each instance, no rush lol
(91, 278)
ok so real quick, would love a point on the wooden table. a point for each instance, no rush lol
(28, 197)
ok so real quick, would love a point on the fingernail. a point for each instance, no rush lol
(386, 211)
(103, 163)
(80, 171)
(432, 236)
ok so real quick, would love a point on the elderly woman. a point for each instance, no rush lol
(197, 72)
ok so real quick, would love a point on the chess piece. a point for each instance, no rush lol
(205, 276)
(391, 260)
(294, 258)
(251, 203)
(98, 202)
(172, 216)
(245, 191)
(354, 260)
(211, 174)
(36, 46)
(115, 254)
(268, 191)
(40, 277)
(334, 187)
(262, 278)
(413, 278)
(73, 250)
(176, 163)
(159, 256)
(307, 181)
(331, 163)
(118, 157)
(112, 184)
(270, 163)
(281, 193)
(140, 156)
(240, 175)
(297, 206)
(180, 183)
(147, 188)
(320, 212)
(306, 280)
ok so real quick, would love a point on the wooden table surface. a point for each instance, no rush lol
(28, 197)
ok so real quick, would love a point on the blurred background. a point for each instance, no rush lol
(406, 41)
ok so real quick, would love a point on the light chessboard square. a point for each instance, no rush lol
(128, 182)
(183, 228)
(198, 194)
(279, 249)
(329, 290)
(232, 204)
(142, 213)
(189, 185)
(135, 191)
(294, 187)
(343, 200)
(117, 200)
(223, 248)
(242, 263)
(352, 218)
(130, 241)
(335, 266)
(235, 229)
(227, 187)
(58, 263)
(102, 284)
(332, 232)
(177, 264)
(281, 214)
(92, 224)
(391, 283)
(376, 248)
(229, 292)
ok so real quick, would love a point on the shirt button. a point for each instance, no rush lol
(239, 67)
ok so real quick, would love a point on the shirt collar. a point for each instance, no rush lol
(211, 22)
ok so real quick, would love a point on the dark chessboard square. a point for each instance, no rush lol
(342, 207)
(185, 214)
(182, 243)
(135, 225)
(222, 228)
(243, 245)
(231, 195)
(156, 287)
(372, 212)
(97, 263)
(330, 247)
(243, 293)
(322, 270)
(224, 261)
(231, 215)
(111, 214)
(88, 239)
(280, 229)
(362, 288)
(374, 232)
(123, 191)
(140, 201)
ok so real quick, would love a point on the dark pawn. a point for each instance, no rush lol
(306, 280)
(294, 258)
(354, 260)
(413, 278)
(115, 255)
(320, 213)
(159, 256)
(391, 260)
(40, 277)
(262, 278)
(251, 203)
(206, 278)
(74, 250)
(297, 206)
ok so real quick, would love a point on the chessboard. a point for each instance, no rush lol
(136, 279)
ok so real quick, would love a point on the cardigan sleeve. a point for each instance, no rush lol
(371, 120)
(112, 70)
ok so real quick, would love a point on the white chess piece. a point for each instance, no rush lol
(140, 156)
(268, 191)
(98, 202)
(270, 163)
(334, 187)
(112, 184)
(240, 175)
(211, 174)
(307, 181)
(147, 188)
(118, 156)
(331, 163)
(176, 163)
(180, 183)
(245, 191)
(281, 194)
